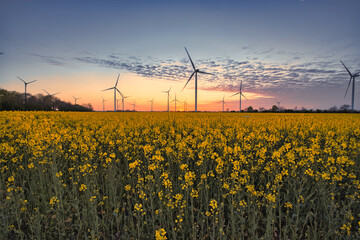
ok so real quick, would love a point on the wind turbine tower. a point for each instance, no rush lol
(104, 104)
(123, 101)
(76, 99)
(115, 89)
(26, 83)
(278, 103)
(196, 71)
(51, 95)
(240, 94)
(175, 100)
(168, 97)
(223, 104)
(152, 102)
(134, 104)
(352, 77)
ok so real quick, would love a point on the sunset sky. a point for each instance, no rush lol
(286, 50)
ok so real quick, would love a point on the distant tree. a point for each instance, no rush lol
(344, 108)
(274, 108)
(250, 109)
(261, 109)
(333, 109)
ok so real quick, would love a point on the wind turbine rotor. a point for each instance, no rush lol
(347, 89)
(192, 63)
(117, 80)
(235, 94)
(22, 80)
(47, 92)
(205, 72)
(346, 68)
(188, 80)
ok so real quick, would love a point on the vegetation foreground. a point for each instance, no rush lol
(179, 175)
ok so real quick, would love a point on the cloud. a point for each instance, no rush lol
(57, 61)
(257, 75)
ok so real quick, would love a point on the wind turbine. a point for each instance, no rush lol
(103, 104)
(196, 71)
(76, 99)
(223, 103)
(26, 83)
(168, 93)
(51, 95)
(352, 77)
(115, 89)
(185, 105)
(152, 102)
(123, 101)
(117, 104)
(278, 103)
(134, 104)
(240, 94)
(175, 100)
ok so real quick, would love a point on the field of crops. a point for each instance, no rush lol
(179, 176)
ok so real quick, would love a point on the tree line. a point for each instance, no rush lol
(15, 101)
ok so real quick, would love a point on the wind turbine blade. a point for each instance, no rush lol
(190, 58)
(348, 86)
(117, 80)
(240, 85)
(21, 80)
(55, 94)
(107, 89)
(346, 68)
(47, 92)
(244, 96)
(188, 80)
(169, 89)
(205, 73)
(32, 81)
(119, 92)
(235, 94)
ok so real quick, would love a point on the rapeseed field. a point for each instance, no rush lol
(179, 176)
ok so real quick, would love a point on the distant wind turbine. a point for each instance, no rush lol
(103, 104)
(123, 101)
(175, 100)
(168, 97)
(134, 104)
(240, 94)
(117, 104)
(51, 95)
(278, 103)
(196, 71)
(76, 99)
(223, 104)
(152, 102)
(185, 105)
(26, 83)
(352, 77)
(115, 89)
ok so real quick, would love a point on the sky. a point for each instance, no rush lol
(282, 50)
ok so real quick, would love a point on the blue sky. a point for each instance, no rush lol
(286, 49)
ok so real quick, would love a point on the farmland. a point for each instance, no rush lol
(179, 175)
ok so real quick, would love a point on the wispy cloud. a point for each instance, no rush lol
(57, 61)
